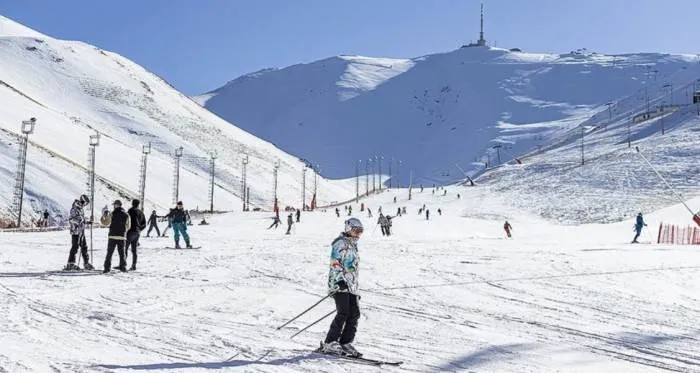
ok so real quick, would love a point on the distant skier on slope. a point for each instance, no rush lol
(383, 224)
(427, 214)
(77, 223)
(290, 222)
(153, 223)
(369, 212)
(275, 222)
(298, 215)
(507, 227)
(638, 227)
(349, 210)
(343, 286)
(337, 212)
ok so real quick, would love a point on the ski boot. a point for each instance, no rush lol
(332, 348)
(349, 350)
(88, 267)
(188, 246)
(71, 267)
(177, 246)
(132, 268)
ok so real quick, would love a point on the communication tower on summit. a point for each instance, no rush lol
(481, 42)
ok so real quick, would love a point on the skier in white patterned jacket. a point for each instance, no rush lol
(343, 286)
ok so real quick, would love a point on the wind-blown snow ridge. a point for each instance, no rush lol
(366, 73)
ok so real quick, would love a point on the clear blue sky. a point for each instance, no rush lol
(198, 45)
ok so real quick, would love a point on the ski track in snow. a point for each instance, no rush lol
(554, 298)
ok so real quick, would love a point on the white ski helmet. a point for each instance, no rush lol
(353, 223)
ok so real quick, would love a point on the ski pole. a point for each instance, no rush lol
(312, 324)
(305, 311)
(664, 180)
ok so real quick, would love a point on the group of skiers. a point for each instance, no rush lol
(276, 222)
(124, 231)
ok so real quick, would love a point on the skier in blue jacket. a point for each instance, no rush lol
(638, 227)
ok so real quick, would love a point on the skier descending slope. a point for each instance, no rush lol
(638, 227)
(179, 223)
(343, 285)
(77, 232)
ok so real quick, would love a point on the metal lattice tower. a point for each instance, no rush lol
(367, 177)
(18, 195)
(274, 177)
(211, 181)
(142, 175)
(303, 188)
(316, 172)
(176, 174)
(244, 181)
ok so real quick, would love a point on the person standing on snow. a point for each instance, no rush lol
(369, 212)
(638, 227)
(383, 224)
(290, 222)
(138, 223)
(298, 215)
(349, 210)
(427, 214)
(178, 216)
(169, 219)
(337, 212)
(507, 227)
(153, 223)
(119, 223)
(343, 286)
(77, 223)
(46, 218)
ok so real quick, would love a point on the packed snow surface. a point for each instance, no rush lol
(449, 294)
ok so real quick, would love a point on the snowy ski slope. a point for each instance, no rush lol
(446, 295)
(439, 112)
(74, 89)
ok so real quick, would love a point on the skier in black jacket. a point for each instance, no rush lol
(119, 223)
(153, 223)
(138, 223)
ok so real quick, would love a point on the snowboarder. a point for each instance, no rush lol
(290, 222)
(638, 227)
(138, 223)
(119, 223)
(153, 223)
(275, 222)
(337, 212)
(507, 227)
(178, 217)
(46, 218)
(343, 287)
(298, 215)
(427, 214)
(77, 223)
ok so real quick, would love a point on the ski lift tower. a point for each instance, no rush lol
(145, 151)
(244, 180)
(176, 175)
(211, 180)
(27, 129)
(94, 143)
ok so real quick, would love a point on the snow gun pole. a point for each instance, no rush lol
(312, 324)
(305, 311)
(695, 216)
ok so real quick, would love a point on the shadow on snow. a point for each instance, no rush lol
(215, 365)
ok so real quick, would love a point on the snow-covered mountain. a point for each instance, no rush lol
(439, 113)
(74, 89)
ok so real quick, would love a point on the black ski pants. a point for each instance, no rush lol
(154, 225)
(347, 314)
(78, 240)
(132, 240)
(111, 245)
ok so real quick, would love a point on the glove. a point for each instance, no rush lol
(342, 285)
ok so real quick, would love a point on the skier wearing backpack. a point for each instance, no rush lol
(138, 223)
(343, 287)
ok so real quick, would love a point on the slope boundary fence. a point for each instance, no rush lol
(678, 235)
